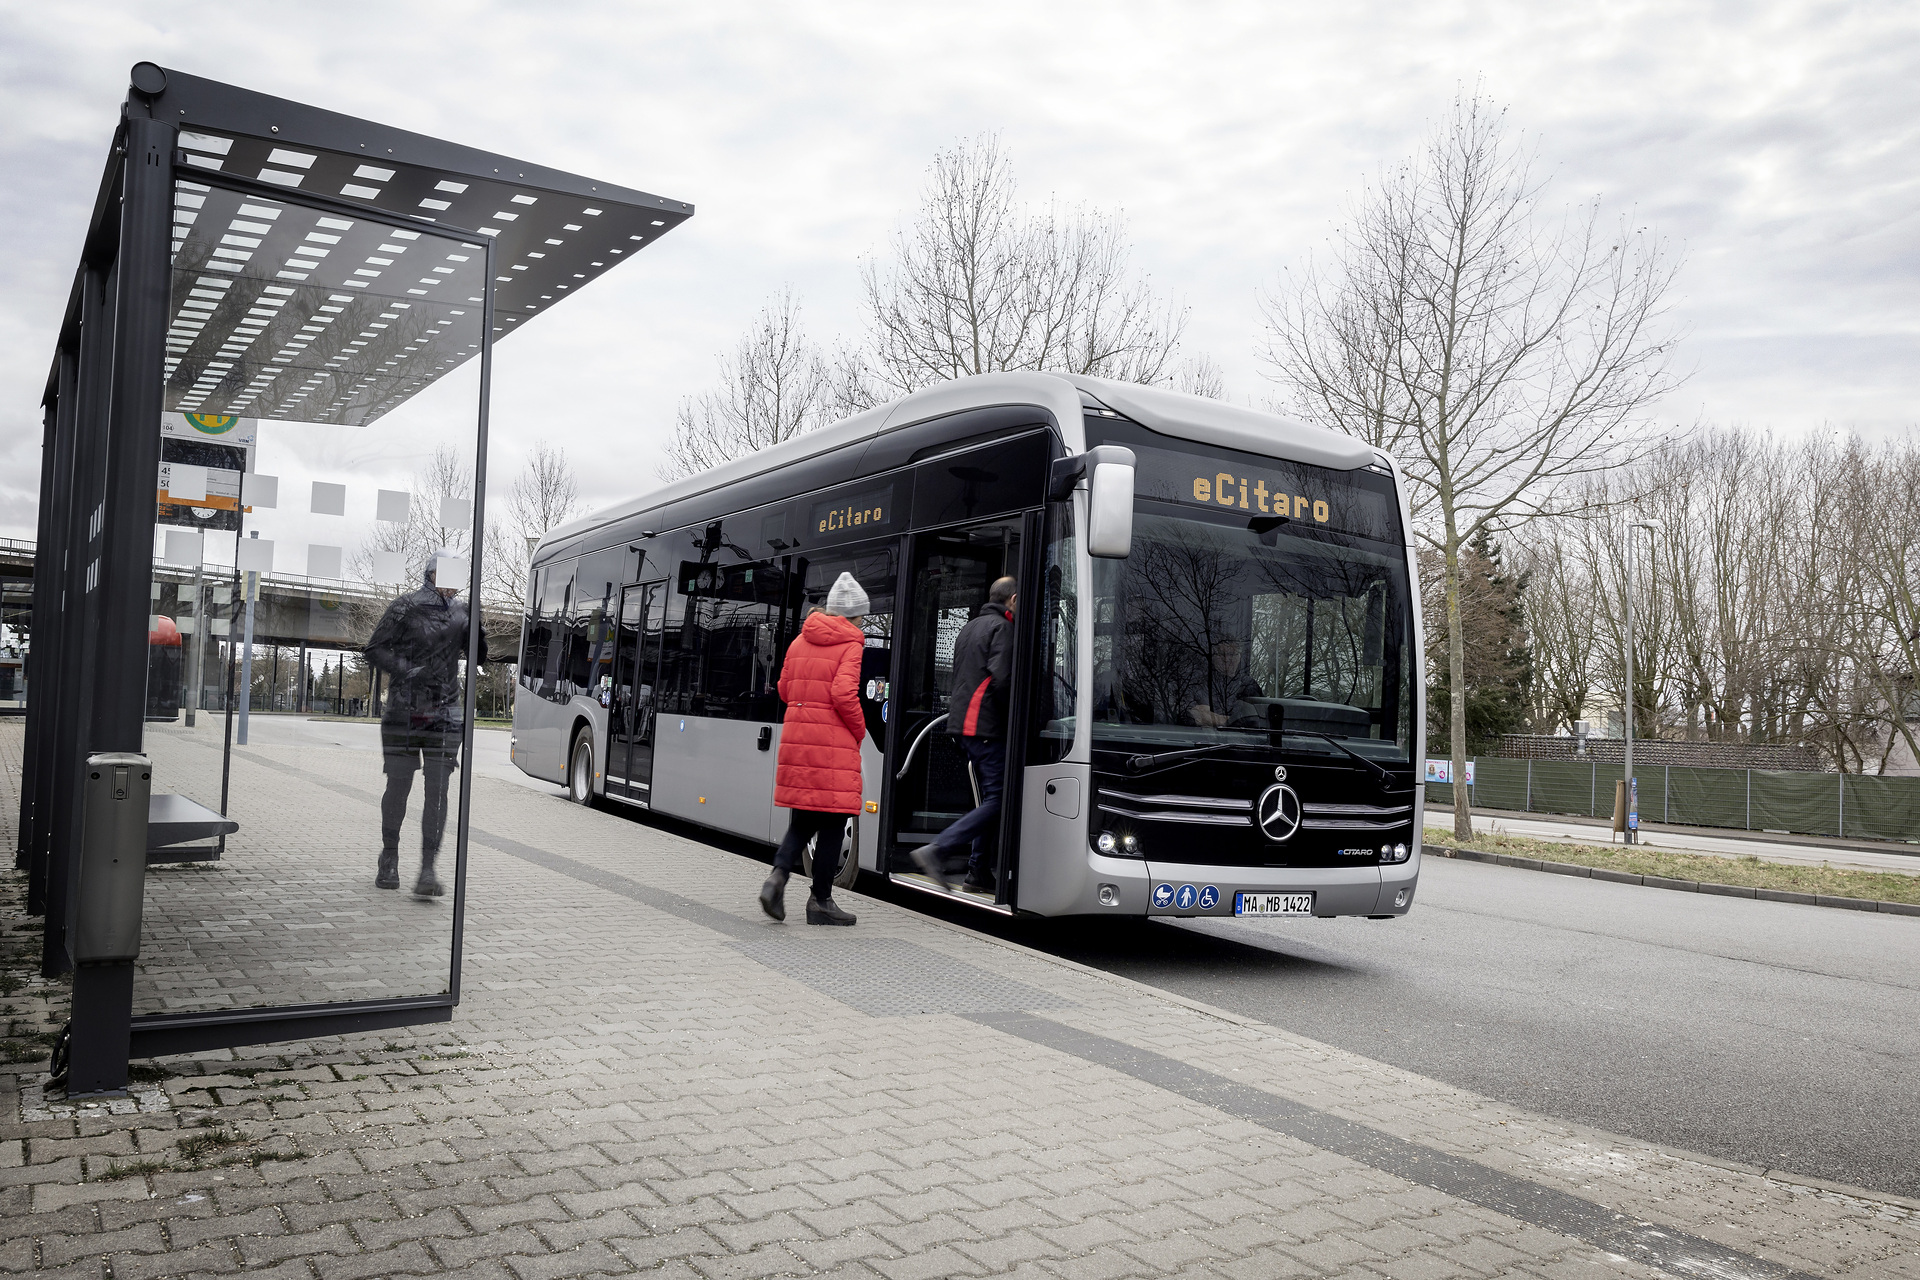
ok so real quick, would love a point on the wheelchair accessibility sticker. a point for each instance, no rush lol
(1209, 898)
(1184, 899)
(1163, 895)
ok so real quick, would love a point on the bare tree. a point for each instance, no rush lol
(1499, 354)
(774, 385)
(425, 530)
(1884, 614)
(543, 496)
(1560, 619)
(1778, 606)
(1198, 375)
(978, 283)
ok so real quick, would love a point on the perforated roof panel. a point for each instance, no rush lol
(296, 312)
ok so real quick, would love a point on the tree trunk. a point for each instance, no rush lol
(1457, 687)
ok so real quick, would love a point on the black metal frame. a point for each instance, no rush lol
(105, 397)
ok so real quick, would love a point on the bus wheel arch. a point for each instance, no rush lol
(580, 763)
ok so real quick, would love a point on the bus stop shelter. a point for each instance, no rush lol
(268, 408)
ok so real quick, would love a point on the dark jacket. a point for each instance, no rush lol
(982, 675)
(420, 643)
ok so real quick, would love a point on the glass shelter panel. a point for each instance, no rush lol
(309, 671)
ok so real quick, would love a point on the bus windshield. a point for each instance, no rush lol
(1246, 634)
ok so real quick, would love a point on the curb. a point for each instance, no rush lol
(1683, 886)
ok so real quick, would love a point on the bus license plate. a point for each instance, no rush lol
(1273, 904)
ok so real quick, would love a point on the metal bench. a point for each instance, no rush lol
(175, 820)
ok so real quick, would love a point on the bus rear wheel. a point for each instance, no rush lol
(580, 769)
(849, 869)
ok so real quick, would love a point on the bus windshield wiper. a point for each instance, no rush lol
(1142, 763)
(1379, 772)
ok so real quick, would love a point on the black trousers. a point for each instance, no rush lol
(405, 752)
(826, 830)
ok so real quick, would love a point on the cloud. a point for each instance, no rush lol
(1779, 144)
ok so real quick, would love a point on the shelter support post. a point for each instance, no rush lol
(103, 993)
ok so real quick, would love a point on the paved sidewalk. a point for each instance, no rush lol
(647, 1075)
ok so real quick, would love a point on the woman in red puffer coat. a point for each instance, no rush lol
(818, 776)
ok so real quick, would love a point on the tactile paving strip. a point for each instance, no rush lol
(892, 978)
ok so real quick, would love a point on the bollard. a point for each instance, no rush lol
(113, 857)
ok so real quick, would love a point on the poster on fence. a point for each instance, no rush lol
(1442, 771)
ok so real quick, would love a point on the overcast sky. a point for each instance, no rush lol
(1777, 144)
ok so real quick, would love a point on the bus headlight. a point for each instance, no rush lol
(1392, 853)
(1130, 842)
(1105, 842)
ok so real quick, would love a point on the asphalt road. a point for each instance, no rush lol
(1783, 1036)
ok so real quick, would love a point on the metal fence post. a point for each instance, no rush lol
(1842, 832)
(1666, 792)
(1529, 784)
(1749, 799)
(1593, 789)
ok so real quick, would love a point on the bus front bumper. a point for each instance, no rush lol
(1176, 889)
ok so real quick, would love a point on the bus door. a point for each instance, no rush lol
(933, 786)
(876, 567)
(636, 666)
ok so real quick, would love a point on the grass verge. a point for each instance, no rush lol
(1748, 872)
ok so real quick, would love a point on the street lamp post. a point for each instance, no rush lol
(1632, 833)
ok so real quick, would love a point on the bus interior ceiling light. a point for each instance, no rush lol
(312, 283)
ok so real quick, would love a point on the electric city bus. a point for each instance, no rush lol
(1216, 697)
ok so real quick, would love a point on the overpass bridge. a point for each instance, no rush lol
(309, 639)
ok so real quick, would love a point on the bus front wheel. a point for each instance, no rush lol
(580, 770)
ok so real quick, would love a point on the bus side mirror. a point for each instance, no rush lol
(1109, 501)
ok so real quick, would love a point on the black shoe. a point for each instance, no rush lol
(773, 894)
(978, 886)
(827, 912)
(932, 863)
(428, 885)
(387, 874)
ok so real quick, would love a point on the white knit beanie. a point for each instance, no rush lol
(846, 599)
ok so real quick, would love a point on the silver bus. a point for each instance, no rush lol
(1217, 693)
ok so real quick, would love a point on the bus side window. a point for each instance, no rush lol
(533, 655)
(672, 695)
(556, 589)
(589, 628)
(1058, 652)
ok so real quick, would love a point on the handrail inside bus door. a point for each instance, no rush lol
(907, 762)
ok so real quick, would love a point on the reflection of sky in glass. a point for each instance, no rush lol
(391, 454)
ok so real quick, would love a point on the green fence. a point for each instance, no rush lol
(1817, 804)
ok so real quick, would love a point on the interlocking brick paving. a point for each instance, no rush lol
(289, 913)
(647, 1075)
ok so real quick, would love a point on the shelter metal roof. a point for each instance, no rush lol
(341, 306)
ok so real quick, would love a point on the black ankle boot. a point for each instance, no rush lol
(773, 894)
(827, 912)
(428, 885)
(387, 874)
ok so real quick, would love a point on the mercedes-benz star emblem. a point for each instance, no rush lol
(1279, 773)
(1278, 812)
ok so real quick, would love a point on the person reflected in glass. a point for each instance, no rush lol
(1231, 690)
(420, 643)
(977, 713)
(817, 774)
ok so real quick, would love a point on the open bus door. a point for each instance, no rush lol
(932, 786)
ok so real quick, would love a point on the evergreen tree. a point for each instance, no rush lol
(1499, 650)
